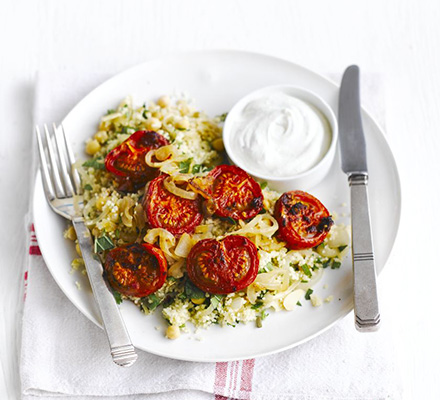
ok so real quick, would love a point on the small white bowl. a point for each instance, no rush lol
(304, 180)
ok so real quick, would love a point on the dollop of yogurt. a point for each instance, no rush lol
(279, 135)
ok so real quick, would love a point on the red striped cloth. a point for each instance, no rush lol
(234, 379)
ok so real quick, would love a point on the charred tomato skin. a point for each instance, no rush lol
(136, 270)
(126, 162)
(303, 220)
(230, 192)
(168, 211)
(225, 266)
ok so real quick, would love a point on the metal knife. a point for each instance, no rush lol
(354, 164)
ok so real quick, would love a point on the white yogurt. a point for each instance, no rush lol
(279, 135)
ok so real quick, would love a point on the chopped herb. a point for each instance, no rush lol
(259, 322)
(264, 314)
(117, 297)
(144, 114)
(182, 296)
(117, 233)
(268, 267)
(95, 163)
(257, 305)
(88, 187)
(326, 264)
(111, 111)
(181, 129)
(184, 166)
(216, 299)
(222, 117)
(263, 185)
(167, 302)
(298, 303)
(336, 264)
(231, 221)
(171, 278)
(192, 291)
(342, 248)
(304, 281)
(196, 168)
(306, 270)
(103, 243)
(150, 302)
(128, 129)
(308, 293)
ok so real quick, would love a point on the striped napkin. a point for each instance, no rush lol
(64, 355)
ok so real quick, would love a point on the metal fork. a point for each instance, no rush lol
(63, 192)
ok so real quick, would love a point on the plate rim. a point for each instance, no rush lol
(128, 71)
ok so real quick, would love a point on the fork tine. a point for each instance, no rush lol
(71, 158)
(54, 166)
(62, 157)
(45, 174)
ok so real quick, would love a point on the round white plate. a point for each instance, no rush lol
(216, 80)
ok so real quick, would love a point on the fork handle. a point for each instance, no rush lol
(122, 350)
(366, 305)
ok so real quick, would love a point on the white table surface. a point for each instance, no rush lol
(399, 39)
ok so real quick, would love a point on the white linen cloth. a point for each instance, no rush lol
(65, 355)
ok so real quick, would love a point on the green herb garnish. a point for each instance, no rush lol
(150, 302)
(222, 117)
(96, 163)
(216, 299)
(144, 114)
(308, 293)
(336, 264)
(342, 248)
(88, 187)
(196, 168)
(111, 111)
(306, 270)
(263, 185)
(298, 303)
(103, 243)
(192, 291)
(268, 267)
(257, 305)
(117, 297)
(184, 166)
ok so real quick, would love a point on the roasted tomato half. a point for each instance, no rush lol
(304, 221)
(230, 192)
(136, 270)
(166, 210)
(127, 161)
(225, 266)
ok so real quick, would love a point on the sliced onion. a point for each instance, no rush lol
(172, 188)
(176, 270)
(166, 240)
(162, 154)
(184, 246)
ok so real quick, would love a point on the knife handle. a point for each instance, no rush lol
(366, 305)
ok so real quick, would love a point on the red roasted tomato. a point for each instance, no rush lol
(225, 266)
(136, 270)
(304, 221)
(127, 161)
(168, 211)
(230, 192)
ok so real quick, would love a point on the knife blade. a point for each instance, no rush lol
(354, 164)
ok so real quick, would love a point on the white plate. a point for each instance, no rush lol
(216, 80)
